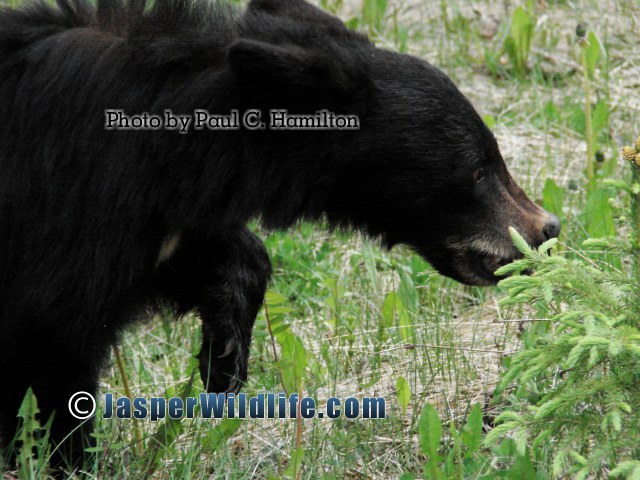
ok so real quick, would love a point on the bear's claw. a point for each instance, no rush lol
(223, 372)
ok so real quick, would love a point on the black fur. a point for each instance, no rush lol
(84, 212)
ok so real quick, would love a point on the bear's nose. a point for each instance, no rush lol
(551, 227)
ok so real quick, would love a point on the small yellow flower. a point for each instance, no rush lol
(637, 160)
(638, 144)
(629, 153)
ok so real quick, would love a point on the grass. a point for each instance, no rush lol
(336, 289)
(447, 341)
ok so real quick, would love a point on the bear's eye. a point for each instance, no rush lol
(478, 175)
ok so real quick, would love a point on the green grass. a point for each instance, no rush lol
(335, 286)
(449, 342)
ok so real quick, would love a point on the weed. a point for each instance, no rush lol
(517, 45)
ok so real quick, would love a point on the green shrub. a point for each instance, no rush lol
(577, 401)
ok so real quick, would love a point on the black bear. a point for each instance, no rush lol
(98, 222)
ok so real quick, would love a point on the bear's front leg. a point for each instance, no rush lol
(229, 310)
(225, 280)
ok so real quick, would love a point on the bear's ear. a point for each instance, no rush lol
(288, 66)
(295, 9)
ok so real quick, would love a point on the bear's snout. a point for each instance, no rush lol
(551, 227)
(474, 257)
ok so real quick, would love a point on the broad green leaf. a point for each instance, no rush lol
(430, 432)
(391, 306)
(523, 468)
(28, 412)
(274, 298)
(518, 44)
(489, 121)
(597, 216)
(403, 389)
(553, 198)
(279, 310)
(29, 433)
(293, 361)
(407, 292)
(281, 328)
(373, 12)
(394, 313)
(472, 431)
(600, 118)
(593, 51)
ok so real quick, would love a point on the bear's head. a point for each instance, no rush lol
(423, 170)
